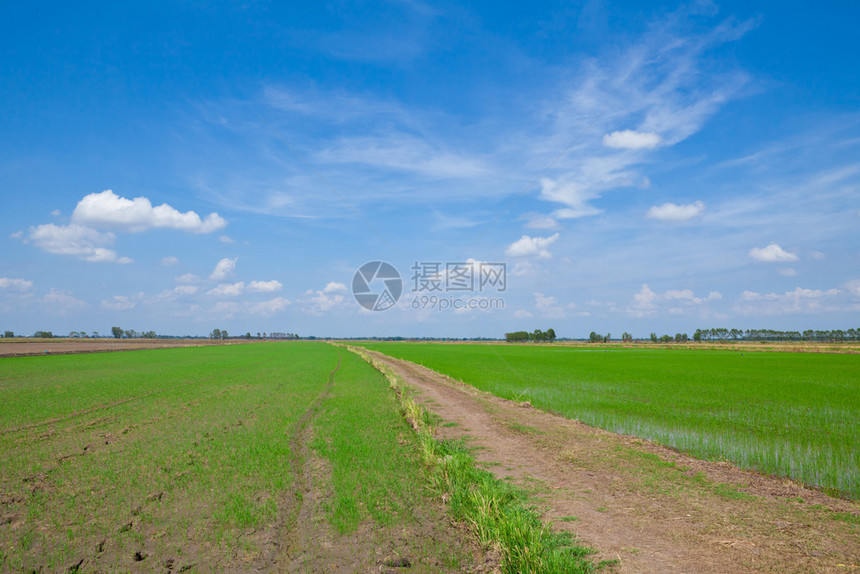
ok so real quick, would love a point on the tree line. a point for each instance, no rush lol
(723, 334)
(536, 336)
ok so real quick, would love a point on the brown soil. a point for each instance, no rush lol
(650, 508)
(23, 348)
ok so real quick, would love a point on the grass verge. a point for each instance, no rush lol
(497, 512)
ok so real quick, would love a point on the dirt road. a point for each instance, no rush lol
(648, 507)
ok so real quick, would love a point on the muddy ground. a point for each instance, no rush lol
(649, 508)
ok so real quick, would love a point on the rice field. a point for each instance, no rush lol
(788, 414)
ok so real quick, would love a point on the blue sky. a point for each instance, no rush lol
(179, 167)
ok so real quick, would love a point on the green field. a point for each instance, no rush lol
(122, 461)
(789, 414)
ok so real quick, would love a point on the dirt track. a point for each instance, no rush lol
(650, 508)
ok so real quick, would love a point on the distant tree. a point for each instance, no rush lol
(8, 334)
(117, 332)
(43, 335)
(607, 338)
(131, 334)
(593, 337)
(654, 338)
(514, 337)
(215, 334)
(149, 335)
(681, 337)
(258, 335)
(95, 335)
(224, 334)
(666, 339)
(626, 337)
(248, 335)
(697, 336)
(550, 334)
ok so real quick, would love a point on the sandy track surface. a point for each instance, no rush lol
(66, 347)
(648, 507)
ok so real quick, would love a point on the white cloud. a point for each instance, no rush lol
(772, 253)
(63, 303)
(227, 289)
(798, 301)
(16, 235)
(56, 213)
(225, 308)
(20, 285)
(187, 278)
(76, 240)
(542, 222)
(853, 287)
(333, 287)
(672, 212)
(662, 83)
(169, 260)
(264, 286)
(176, 293)
(527, 246)
(223, 269)
(121, 302)
(269, 307)
(522, 314)
(106, 210)
(226, 239)
(644, 302)
(629, 139)
(788, 272)
(647, 302)
(317, 302)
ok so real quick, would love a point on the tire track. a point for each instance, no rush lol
(289, 540)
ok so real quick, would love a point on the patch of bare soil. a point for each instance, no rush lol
(23, 348)
(302, 540)
(650, 508)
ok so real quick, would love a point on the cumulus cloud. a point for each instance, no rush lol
(223, 269)
(187, 278)
(542, 222)
(853, 287)
(76, 240)
(264, 286)
(169, 260)
(121, 302)
(647, 302)
(176, 293)
(527, 246)
(226, 239)
(522, 314)
(629, 139)
(317, 302)
(225, 308)
(227, 289)
(800, 300)
(269, 307)
(63, 303)
(333, 287)
(772, 253)
(788, 272)
(20, 285)
(672, 212)
(106, 210)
